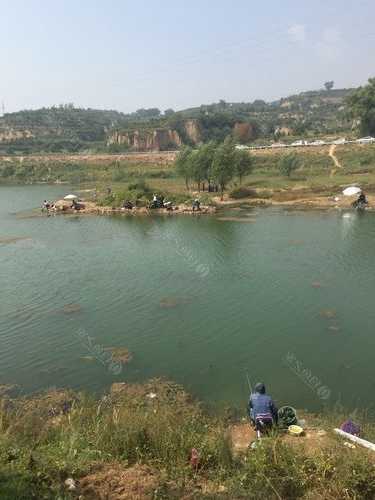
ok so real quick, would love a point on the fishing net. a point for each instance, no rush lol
(287, 416)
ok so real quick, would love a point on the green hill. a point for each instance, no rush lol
(69, 129)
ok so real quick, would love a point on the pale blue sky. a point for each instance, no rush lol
(124, 55)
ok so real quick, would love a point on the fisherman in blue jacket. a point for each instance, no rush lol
(261, 409)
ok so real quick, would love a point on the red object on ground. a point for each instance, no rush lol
(194, 458)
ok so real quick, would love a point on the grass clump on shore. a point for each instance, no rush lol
(140, 194)
(137, 192)
(139, 438)
(242, 192)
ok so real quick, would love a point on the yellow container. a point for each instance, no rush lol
(295, 430)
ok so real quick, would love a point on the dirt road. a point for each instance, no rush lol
(335, 160)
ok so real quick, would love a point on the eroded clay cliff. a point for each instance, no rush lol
(8, 135)
(146, 140)
(244, 132)
(157, 139)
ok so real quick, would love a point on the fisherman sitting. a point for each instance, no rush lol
(361, 202)
(261, 409)
(157, 201)
(128, 205)
(196, 205)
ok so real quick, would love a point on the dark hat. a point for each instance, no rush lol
(260, 388)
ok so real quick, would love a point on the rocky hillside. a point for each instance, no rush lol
(69, 129)
(156, 139)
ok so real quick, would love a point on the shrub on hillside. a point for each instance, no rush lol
(120, 175)
(161, 174)
(140, 185)
(288, 164)
(242, 192)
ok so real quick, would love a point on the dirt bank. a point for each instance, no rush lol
(298, 199)
(91, 208)
(314, 440)
(158, 158)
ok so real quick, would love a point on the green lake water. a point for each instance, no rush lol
(288, 296)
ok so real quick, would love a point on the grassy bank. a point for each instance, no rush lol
(136, 442)
(317, 175)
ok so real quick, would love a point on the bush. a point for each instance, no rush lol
(140, 185)
(119, 175)
(288, 164)
(180, 198)
(7, 171)
(242, 192)
(270, 468)
(264, 194)
(117, 148)
(107, 201)
(359, 479)
(161, 174)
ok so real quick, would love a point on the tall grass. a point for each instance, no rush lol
(50, 437)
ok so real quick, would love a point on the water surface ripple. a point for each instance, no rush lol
(199, 300)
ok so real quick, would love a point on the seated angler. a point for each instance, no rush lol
(262, 410)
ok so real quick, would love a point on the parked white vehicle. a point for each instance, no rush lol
(341, 140)
(366, 140)
(242, 146)
(299, 143)
(317, 143)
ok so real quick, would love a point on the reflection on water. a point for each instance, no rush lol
(198, 300)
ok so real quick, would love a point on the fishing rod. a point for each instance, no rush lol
(259, 434)
(248, 382)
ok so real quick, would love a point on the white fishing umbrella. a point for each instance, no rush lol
(351, 191)
(70, 197)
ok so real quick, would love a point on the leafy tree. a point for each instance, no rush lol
(183, 164)
(148, 113)
(259, 105)
(362, 106)
(195, 167)
(118, 148)
(216, 125)
(300, 128)
(202, 160)
(169, 112)
(7, 171)
(243, 163)
(329, 85)
(223, 165)
(288, 164)
(22, 172)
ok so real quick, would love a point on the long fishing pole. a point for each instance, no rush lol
(248, 381)
(259, 434)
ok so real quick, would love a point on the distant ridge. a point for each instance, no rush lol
(66, 128)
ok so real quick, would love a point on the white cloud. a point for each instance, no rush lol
(297, 33)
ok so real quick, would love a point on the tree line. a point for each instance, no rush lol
(214, 164)
(362, 107)
(217, 164)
